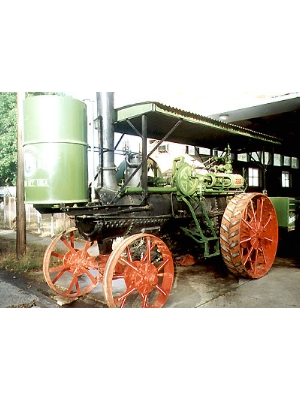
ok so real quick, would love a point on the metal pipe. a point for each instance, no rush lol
(91, 140)
(144, 156)
(107, 168)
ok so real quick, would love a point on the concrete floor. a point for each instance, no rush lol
(204, 286)
(209, 285)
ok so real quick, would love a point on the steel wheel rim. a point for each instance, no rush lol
(249, 235)
(142, 278)
(68, 271)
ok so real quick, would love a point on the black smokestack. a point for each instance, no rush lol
(107, 171)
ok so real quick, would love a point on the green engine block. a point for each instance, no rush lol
(190, 182)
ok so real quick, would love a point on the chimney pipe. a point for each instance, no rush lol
(107, 172)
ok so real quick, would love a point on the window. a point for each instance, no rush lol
(287, 161)
(286, 179)
(295, 163)
(266, 158)
(253, 176)
(164, 148)
(261, 157)
(215, 153)
(242, 157)
(255, 156)
(191, 150)
(204, 151)
(277, 160)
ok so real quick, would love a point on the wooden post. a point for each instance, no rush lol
(21, 213)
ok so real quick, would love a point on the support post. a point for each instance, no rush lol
(20, 206)
(144, 155)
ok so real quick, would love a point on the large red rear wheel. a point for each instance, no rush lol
(249, 235)
(139, 273)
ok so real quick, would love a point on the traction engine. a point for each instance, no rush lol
(140, 222)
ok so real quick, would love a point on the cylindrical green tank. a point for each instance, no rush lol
(55, 150)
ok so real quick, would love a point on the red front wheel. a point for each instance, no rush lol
(70, 271)
(139, 273)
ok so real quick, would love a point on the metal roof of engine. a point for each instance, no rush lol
(195, 129)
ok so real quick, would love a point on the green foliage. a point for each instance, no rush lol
(8, 138)
(8, 135)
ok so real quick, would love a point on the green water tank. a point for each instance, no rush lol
(55, 150)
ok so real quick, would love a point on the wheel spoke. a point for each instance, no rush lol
(129, 254)
(245, 240)
(144, 300)
(260, 209)
(248, 255)
(123, 298)
(57, 255)
(91, 276)
(128, 263)
(161, 290)
(62, 270)
(268, 239)
(263, 255)
(69, 245)
(118, 276)
(123, 302)
(87, 246)
(268, 222)
(147, 256)
(163, 264)
(255, 262)
(74, 280)
(58, 268)
(252, 210)
(247, 223)
(78, 290)
(72, 239)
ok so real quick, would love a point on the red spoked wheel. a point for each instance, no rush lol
(69, 271)
(249, 235)
(146, 277)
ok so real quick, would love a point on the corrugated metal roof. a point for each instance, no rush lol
(275, 106)
(279, 117)
(195, 129)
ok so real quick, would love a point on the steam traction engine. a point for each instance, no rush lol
(138, 221)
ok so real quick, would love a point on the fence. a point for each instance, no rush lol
(41, 224)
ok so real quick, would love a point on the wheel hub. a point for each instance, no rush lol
(144, 278)
(77, 263)
(257, 237)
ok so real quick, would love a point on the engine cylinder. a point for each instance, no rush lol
(133, 161)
